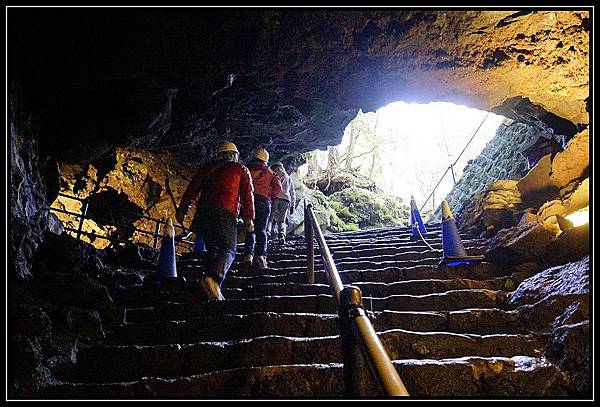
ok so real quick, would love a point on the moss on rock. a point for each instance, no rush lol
(355, 208)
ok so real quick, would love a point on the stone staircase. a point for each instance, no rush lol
(276, 336)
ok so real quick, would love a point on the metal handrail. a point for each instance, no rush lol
(451, 166)
(83, 215)
(357, 332)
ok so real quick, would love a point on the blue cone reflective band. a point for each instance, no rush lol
(166, 267)
(199, 245)
(458, 263)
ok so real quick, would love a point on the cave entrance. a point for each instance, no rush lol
(403, 149)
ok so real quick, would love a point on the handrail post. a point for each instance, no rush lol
(83, 214)
(375, 359)
(309, 234)
(356, 368)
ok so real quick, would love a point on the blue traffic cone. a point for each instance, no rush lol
(199, 246)
(454, 250)
(166, 267)
(416, 222)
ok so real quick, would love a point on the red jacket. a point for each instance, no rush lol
(222, 183)
(266, 182)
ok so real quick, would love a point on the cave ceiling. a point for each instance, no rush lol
(291, 80)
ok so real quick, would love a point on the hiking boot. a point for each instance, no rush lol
(260, 262)
(212, 289)
(281, 237)
(247, 260)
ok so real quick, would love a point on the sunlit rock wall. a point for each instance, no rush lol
(140, 183)
(558, 185)
(499, 159)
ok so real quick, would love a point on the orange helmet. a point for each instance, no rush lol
(261, 154)
(227, 147)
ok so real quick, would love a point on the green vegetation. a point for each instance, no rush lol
(344, 193)
(356, 208)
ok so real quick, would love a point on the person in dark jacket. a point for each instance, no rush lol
(222, 184)
(266, 187)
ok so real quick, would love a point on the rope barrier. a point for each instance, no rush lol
(425, 241)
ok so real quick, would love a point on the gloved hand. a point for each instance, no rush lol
(250, 225)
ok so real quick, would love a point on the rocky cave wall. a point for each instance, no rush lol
(287, 79)
(150, 182)
(290, 80)
(499, 159)
(558, 185)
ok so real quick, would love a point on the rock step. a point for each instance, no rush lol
(402, 245)
(402, 238)
(371, 288)
(401, 271)
(460, 377)
(483, 321)
(427, 257)
(397, 238)
(348, 252)
(386, 230)
(387, 274)
(342, 265)
(143, 296)
(318, 304)
(127, 363)
(351, 251)
(433, 235)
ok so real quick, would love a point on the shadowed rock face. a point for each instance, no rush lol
(572, 278)
(557, 300)
(288, 79)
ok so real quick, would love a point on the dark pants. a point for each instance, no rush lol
(218, 227)
(257, 241)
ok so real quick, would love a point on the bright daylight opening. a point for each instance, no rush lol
(406, 149)
(580, 217)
